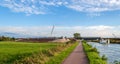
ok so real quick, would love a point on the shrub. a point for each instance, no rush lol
(84, 41)
(71, 41)
(104, 57)
(116, 62)
(93, 50)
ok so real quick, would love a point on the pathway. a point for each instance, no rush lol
(78, 56)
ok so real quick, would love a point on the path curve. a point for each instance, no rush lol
(78, 56)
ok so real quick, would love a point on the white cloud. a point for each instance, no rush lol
(43, 6)
(94, 14)
(94, 5)
(30, 6)
(96, 31)
(100, 27)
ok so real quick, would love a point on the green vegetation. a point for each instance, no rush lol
(3, 38)
(77, 35)
(116, 62)
(93, 54)
(11, 51)
(57, 59)
(33, 53)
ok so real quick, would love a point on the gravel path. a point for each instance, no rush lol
(78, 56)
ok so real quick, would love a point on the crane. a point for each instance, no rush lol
(114, 35)
(52, 30)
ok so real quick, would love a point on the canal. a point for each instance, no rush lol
(111, 51)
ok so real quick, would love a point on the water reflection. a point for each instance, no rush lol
(111, 51)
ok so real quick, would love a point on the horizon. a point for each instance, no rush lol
(36, 18)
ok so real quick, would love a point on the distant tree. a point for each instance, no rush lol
(0, 38)
(13, 39)
(65, 37)
(61, 37)
(77, 35)
(3, 38)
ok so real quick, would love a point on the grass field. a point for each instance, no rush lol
(11, 51)
(34, 53)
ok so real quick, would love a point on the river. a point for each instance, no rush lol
(111, 51)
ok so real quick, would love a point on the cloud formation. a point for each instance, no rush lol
(94, 5)
(45, 31)
(100, 27)
(43, 6)
(31, 6)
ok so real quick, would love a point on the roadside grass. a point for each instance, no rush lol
(93, 54)
(60, 57)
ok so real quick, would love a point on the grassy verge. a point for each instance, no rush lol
(58, 59)
(93, 55)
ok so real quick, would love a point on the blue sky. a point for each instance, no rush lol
(83, 16)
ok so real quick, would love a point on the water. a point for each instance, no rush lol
(111, 51)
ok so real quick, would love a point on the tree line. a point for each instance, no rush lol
(4, 38)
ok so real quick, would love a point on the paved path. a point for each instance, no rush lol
(77, 56)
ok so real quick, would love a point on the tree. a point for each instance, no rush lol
(77, 35)
(3, 38)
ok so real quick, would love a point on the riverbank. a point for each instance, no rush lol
(111, 51)
(93, 54)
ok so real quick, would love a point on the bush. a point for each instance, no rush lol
(116, 62)
(93, 50)
(84, 41)
(104, 57)
(71, 41)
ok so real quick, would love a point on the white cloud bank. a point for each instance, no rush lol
(43, 6)
(90, 31)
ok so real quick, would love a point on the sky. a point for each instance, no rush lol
(91, 18)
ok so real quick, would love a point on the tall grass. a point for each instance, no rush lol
(93, 54)
(59, 58)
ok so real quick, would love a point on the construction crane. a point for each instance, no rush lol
(114, 35)
(52, 30)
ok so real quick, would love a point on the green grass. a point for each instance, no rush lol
(58, 59)
(11, 51)
(93, 55)
(34, 53)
